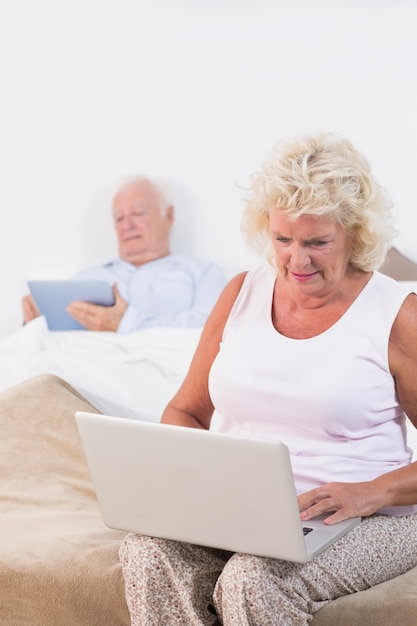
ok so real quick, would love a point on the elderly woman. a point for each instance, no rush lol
(318, 349)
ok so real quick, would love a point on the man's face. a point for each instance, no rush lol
(142, 230)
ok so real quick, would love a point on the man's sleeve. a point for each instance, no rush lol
(209, 281)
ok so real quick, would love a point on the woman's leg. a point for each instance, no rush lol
(254, 591)
(169, 583)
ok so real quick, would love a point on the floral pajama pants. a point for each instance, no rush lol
(177, 584)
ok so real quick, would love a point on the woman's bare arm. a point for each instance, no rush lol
(191, 405)
(395, 488)
(403, 356)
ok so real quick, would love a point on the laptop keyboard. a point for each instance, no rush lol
(306, 530)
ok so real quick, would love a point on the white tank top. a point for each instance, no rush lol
(330, 398)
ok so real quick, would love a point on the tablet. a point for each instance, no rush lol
(53, 296)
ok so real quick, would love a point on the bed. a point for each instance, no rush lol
(58, 562)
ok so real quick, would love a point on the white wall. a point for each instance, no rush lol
(93, 90)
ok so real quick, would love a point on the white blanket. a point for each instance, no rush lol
(131, 375)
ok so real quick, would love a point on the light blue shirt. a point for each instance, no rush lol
(174, 291)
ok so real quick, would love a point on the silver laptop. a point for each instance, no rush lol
(219, 490)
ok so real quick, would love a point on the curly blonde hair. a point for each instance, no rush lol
(326, 177)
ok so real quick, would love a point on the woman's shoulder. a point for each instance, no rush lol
(406, 321)
(390, 288)
(229, 296)
(232, 289)
(249, 277)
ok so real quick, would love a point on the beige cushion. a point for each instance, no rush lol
(399, 266)
(59, 563)
(393, 603)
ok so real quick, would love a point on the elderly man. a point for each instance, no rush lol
(153, 287)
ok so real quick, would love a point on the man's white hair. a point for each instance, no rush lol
(161, 186)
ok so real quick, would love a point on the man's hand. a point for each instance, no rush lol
(97, 317)
(344, 500)
(30, 310)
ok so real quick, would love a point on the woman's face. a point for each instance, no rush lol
(312, 254)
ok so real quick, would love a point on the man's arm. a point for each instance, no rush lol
(30, 310)
(176, 291)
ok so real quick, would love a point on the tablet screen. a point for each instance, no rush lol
(53, 296)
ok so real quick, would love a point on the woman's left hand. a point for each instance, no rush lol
(343, 500)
